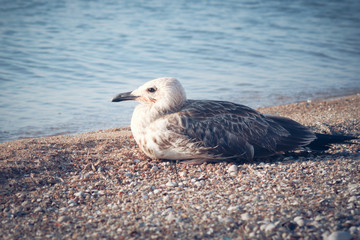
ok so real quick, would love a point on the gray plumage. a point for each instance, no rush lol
(231, 130)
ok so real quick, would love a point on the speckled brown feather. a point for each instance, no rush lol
(233, 130)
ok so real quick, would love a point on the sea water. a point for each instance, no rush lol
(62, 61)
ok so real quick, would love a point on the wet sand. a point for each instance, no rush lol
(100, 185)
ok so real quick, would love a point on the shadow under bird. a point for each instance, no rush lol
(168, 126)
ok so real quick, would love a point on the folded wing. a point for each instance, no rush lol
(235, 131)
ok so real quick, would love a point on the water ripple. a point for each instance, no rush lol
(61, 61)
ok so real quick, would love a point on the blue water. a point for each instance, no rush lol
(62, 61)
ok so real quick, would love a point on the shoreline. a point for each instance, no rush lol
(100, 185)
(320, 97)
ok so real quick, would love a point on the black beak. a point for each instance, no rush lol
(123, 97)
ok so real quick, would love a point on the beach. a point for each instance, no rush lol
(99, 185)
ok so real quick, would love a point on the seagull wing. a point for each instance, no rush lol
(236, 131)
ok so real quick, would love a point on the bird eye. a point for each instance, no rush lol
(151, 90)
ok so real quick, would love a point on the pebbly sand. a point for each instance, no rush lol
(99, 185)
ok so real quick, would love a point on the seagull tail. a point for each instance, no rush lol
(323, 141)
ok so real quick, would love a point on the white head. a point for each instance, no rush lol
(165, 94)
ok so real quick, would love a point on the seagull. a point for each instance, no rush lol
(168, 126)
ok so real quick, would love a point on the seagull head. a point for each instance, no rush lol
(162, 93)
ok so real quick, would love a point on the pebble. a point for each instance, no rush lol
(156, 191)
(232, 168)
(353, 230)
(86, 176)
(72, 203)
(352, 199)
(170, 217)
(20, 195)
(339, 235)
(155, 168)
(79, 194)
(199, 183)
(210, 231)
(252, 235)
(299, 221)
(171, 184)
(25, 204)
(233, 174)
(270, 227)
(100, 192)
(63, 219)
(353, 187)
(226, 219)
(234, 208)
(166, 198)
(245, 216)
(63, 209)
(128, 174)
(38, 209)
